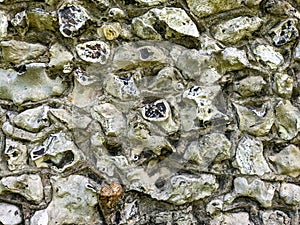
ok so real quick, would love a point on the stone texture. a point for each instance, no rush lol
(10, 214)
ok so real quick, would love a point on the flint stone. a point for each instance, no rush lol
(34, 85)
(285, 32)
(290, 193)
(249, 158)
(94, 51)
(21, 52)
(268, 55)
(28, 185)
(16, 154)
(10, 214)
(287, 161)
(234, 30)
(275, 217)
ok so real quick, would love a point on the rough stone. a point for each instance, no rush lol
(94, 51)
(283, 85)
(10, 214)
(290, 193)
(249, 158)
(3, 25)
(284, 32)
(286, 161)
(41, 19)
(250, 86)
(232, 219)
(20, 22)
(237, 29)
(28, 185)
(60, 57)
(151, 2)
(267, 55)
(16, 154)
(270, 217)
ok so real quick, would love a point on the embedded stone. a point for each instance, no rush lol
(111, 31)
(60, 57)
(236, 29)
(3, 25)
(151, 2)
(21, 52)
(116, 13)
(249, 86)
(249, 158)
(41, 19)
(268, 56)
(74, 201)
(255, 121)
(283, 85)
(208, 45)
(214, 147)
(261, 191)
(94, 51)
(297, 52)
(290, 193)
(156, 111)
(270, 217)
(284, 32)
(16, 154)
(10, 214)
(33, 85)
(33, 119)
(71, 18)
(286, 161)
(232, 219)
(210, 7)
(287, 120)
(20, 22)
(30, 186)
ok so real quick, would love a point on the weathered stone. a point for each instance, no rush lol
(285, 32)
(151, 2)
(21, 52)
(267, 55)
(249, 158)
(287, 120)
(33, 119)
(34, 85)
(60, 57)
(211, 148)
(255, 188)
(249, 86)
(3, 25)
(41, 19)
(208, 45)
(236, 29)
(28, 185)
(58, 152)
(232, 219)
(297, 52)
(111, 31)
(74, 201)
(20, 22)
(16, 154)
(275, 217)
(290, 193)
(94, 51)
(176, 20)
(10, 214)
(281, 8)
(255, 121)
(116, 13)
(283, 85)
(210, 7)
(214, 207)
(71, 18)
(286, 161)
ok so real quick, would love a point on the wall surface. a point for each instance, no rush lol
(141, 112)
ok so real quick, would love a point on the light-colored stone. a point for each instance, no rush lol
(3, 25)
(60, 57)
(10, 214)
(290, 193)
(268, 55)
(276, 217)
(249, 158)
(16, 154)
(234, 30)
(151, 2)
(287, 161)
(250, 86)
(94, 51)
(283, 85)
(20, 22)
(232, 219)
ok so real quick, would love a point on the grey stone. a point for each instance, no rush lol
(232, 219)
(16, 154)
(60, 57)
(285, 32)
(268, 55)
(34, 85)
(3, 25)
(249, 158)
(21, 52)
(94, 51)
(30, 186)
(151, 2)
(236, 29)
(10, 214)
(286, 161)
(290, 193)
(283, 85)
(275, 217)
(20, 22)
(250, 86)
(41, 19)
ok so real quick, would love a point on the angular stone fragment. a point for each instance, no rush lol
(287, 120)
(275, 217)
(209, 7)
(249, 86)
(211, 148)
(236, 29)
(21, 52)
(283, 85)
(41, 19)
(10, 214)
(28, 185)
(290, 193)
(74, 201)
(255, 188)
(281, 8)
(257, 122)
(60, 57)
(20, 22)
(33, 119)
(287, 161)
(284, 32)
(176, 20)
(208, 45)
(268, 55)
(16, 154)
(94, 51)
(249, 158)
(71, 18)
(232, 219)
(34, 85)
(3, 25)
(58, 152)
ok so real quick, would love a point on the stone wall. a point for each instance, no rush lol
(149, 112)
